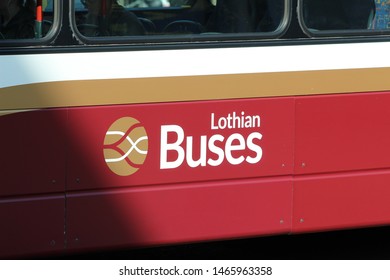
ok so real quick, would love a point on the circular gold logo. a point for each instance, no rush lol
(125, 146)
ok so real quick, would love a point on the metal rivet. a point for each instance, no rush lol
(52, 243)
(77, 180)
(281, 222)
(53, 181)
(301, 220)
(303, 164)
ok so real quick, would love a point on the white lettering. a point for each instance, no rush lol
(177, 148)
(253, 147)
(212, 122)
(231, 147)
(222, 123)
(203, 150)
(216, 150)
(233, 121)
(166, 147)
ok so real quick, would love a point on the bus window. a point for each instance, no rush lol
(96, 18)
(381, 19)
(348, 15)
(233, 16)
(25, 19)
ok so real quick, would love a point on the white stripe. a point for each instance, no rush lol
(132, 143)
(26, 69)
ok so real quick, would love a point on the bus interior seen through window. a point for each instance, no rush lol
(99, 18)
(335, 15)
(177, 17)
(25, 19)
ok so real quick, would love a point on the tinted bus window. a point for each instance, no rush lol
(335, 15)
(96, 18)
(25, 19)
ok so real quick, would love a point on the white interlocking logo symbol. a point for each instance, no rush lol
(125, 146)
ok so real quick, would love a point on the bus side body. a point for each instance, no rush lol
(109, 145)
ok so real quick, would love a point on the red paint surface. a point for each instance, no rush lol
(32, 226)
(347, 200)
(33, 152)
(179, 213)
(342, 132)
(88, 126)
(325, 166)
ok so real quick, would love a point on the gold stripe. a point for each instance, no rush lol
(213, 87)
(9, 112)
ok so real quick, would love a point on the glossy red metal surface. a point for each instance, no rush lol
(32, 182)
(144, 211)
(180, 172)
(33, 152)
(342, 133)
(268, 144)
(31, 226)
(335, 135)
(179, 213)
(346, 200)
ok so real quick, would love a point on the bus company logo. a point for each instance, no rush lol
(125, 146)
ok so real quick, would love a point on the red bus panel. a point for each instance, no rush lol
(203, 141)
(338, 133)
(164, 199)
(152, 174)
(345, 140)
(33, 225)
(33, 152)
(178, 213)
(330, 202)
